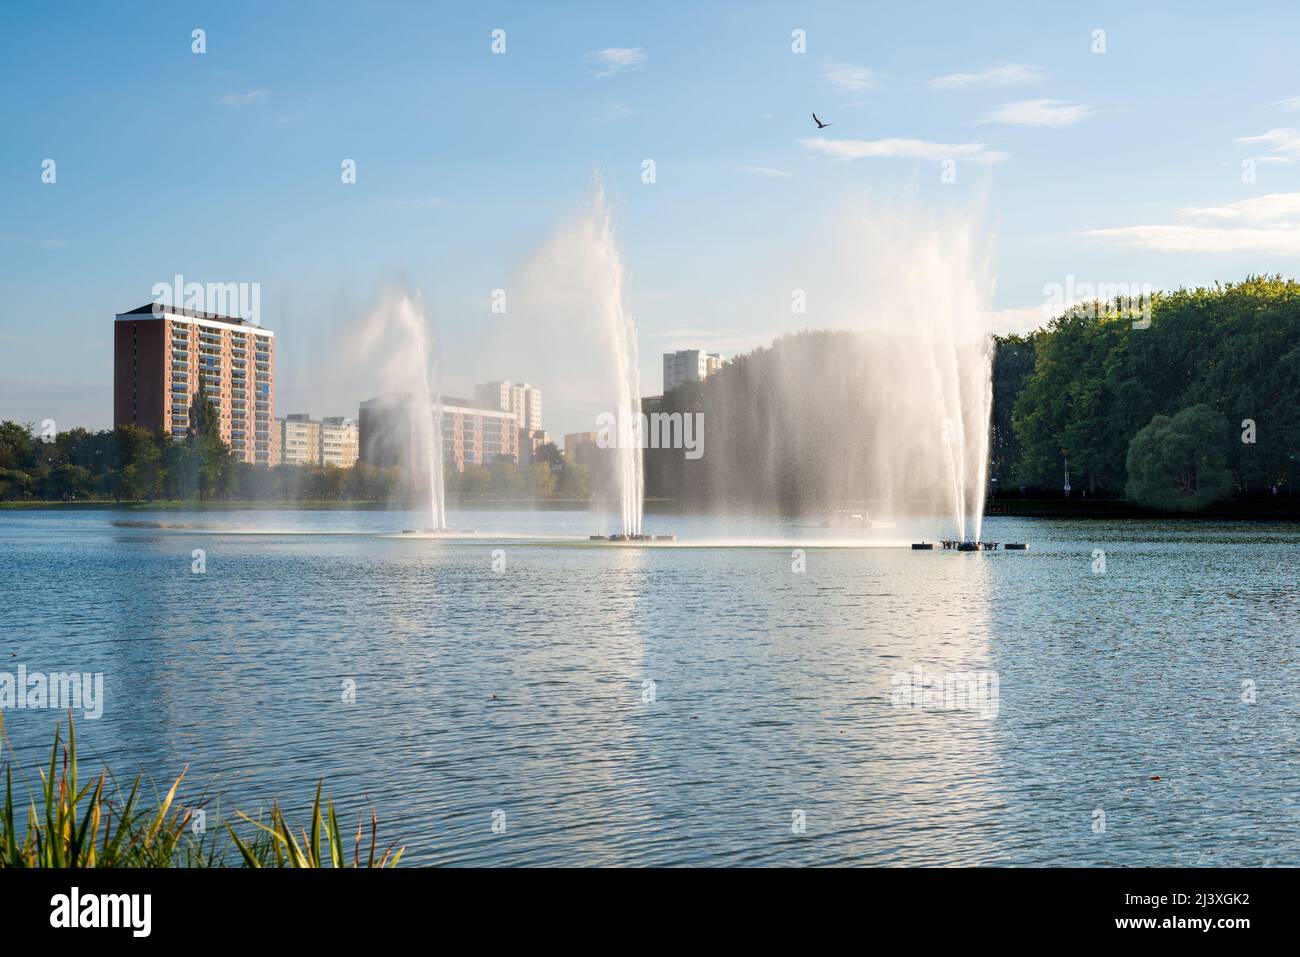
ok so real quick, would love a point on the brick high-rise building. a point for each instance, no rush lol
(164, 358)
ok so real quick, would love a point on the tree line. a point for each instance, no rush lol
(1193, 401)
(132, 464)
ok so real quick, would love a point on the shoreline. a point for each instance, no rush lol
(1109, 509)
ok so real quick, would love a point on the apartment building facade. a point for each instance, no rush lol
(339, 441)
(689, 365)
(165, 358)
(524, 400)
(299, 440)
(306, 441)
(470, 433)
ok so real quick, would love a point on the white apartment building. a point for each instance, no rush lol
(330, 441)
(522, 399)
(339, 441)
(689, 365)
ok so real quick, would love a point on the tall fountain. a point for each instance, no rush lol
(409, 373)
(576, 285)
(925, 318)
(622, 331)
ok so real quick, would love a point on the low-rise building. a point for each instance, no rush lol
(306, 441)
(339, 442)
(299, 440)
(470, 433)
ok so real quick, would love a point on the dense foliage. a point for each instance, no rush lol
(1098, 381)
(1179, 463)
(1199, 404)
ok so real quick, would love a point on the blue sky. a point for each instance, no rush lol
(1122, 166)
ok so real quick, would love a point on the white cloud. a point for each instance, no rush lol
(764, 171)
(420, 202)
(1022, 320)
(243, 99)
(1004, 74)
(1262, 224)
(1290, 103)
(897, 148)
(1038, 113)
(1284, 142)
(614, 111)
(616, 59)
(849, 78)
(37, 241)
(1270, 209)
(1203, 239)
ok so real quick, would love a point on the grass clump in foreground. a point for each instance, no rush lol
(70, 824)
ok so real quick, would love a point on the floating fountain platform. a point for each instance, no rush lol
(1016, 546)
(954, 545)
(922, 546)
(632, 538)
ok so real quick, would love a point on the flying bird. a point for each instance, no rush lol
(820, 124)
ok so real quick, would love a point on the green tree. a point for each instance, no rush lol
(1013, 362)
(575, 481)
(549, 453)
(541, 480)
(136, 469)
(506, 479)
(475, 481)
(17, 460)
(1179, 463)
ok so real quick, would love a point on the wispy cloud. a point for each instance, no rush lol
(1270, 209)
(1024, 319)
(243, 99)
(1282, 143)
(614, 111)
(1004, 74)
(1038, 113)
(1290, 103)
(1267, 224)
(418, 202)
(713, 340)
(847, 77)
(37, 241)
(764, 171)
(902, 149)
(617, 59)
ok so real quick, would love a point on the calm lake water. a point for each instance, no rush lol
(511, 674)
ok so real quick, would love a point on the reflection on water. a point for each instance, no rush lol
(684, 705)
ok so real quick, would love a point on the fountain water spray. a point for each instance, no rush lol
(623, 340)
(409, 374)
(926, 321)
(578, 281)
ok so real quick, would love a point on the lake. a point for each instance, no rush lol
(703, 703)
